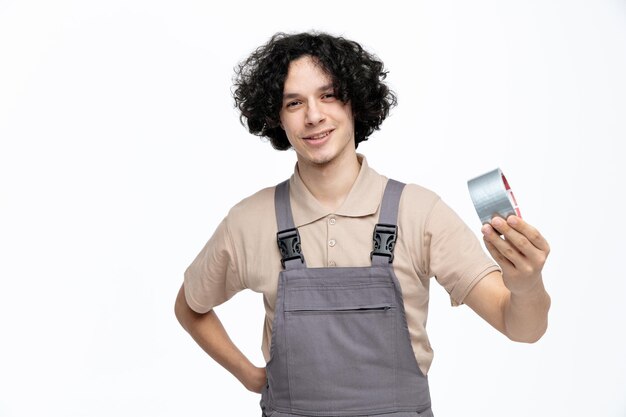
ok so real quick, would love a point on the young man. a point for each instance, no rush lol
(346, 313)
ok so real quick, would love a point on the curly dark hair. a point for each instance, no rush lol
(357, 77)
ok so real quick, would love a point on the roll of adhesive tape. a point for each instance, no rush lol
(492, 196)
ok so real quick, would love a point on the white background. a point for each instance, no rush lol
(121, 151)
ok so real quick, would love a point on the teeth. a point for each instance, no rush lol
(319, 136)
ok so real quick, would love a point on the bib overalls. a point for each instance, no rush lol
(340, 343)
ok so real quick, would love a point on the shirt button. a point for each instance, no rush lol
(332, 221)
(331, 242)
(332, 263)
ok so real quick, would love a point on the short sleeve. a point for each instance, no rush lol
(457, 259)
(212, 277)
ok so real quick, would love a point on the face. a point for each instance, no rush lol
(319, 126)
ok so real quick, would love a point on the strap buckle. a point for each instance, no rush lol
(385, 236)
(289, 245)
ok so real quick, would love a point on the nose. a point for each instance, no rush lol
(314, 114)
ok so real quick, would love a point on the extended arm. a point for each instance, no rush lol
(515, 301)
(207, 330)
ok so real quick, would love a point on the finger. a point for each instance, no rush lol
(501, 249)
(529, 232)
(497, 256)
(517, 239)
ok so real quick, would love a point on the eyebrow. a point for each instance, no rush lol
(294, 95)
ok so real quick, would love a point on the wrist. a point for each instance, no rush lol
(528, 287)
(529, 294)
(242, 370)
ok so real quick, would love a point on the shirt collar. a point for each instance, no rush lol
(363, 199)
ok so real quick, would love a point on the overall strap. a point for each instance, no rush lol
(288, 238)
(386, 231)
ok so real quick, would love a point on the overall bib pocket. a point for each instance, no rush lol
(354, 322)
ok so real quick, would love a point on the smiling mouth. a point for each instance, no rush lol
(319, 136)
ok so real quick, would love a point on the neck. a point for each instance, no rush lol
(330, 182)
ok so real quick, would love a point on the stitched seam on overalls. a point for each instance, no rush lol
(289, 390)
(395, 338)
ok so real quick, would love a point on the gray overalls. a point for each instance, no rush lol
(340, 342)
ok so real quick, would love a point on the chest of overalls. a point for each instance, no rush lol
(340, 342)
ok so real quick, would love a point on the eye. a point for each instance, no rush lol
(292, 104)
(328, 96)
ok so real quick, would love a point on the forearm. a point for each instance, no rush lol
(210, 335)
(208, 332)
(526, 314)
